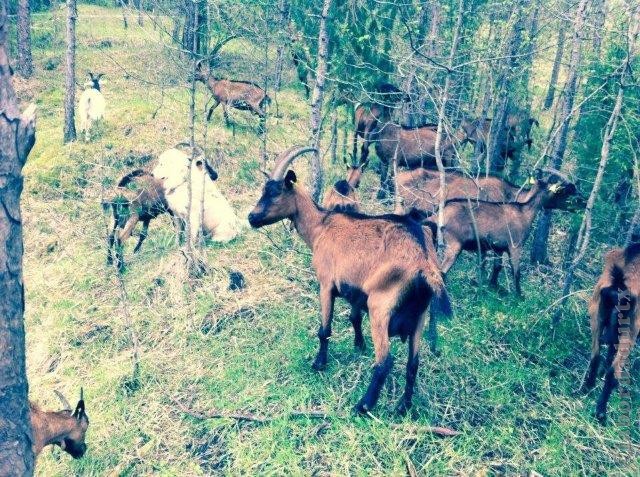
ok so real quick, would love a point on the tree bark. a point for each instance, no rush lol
(70, 74)
(316, 102)
(411, 110)
(17, 135)
(283, 8)
(541, 238)
(25, 60)
(599, 16)
(553, 81)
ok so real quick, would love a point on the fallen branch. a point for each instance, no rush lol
(247, 416)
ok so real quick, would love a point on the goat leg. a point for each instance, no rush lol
(143, 235)
(433, 332)
(495, 273)
(413, 361)
(356, 321)
(213, 106)
(327, 299)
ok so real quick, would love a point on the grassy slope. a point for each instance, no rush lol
(503, 379)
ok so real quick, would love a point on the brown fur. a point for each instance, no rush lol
(235, 94)
(139, 196)
(501, 227)
(614, 323)
(516, 134)
(387, 270)
(336, 200)
(368, 116)
(420, 188)
(62, 428)
(411, 148)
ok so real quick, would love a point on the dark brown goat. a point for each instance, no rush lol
(420, 189)
(64, 428)
(139, 196)
(386, 265)
(502, 227)
(241, 95)
(517, 135)
(343, 197)
(411, 148)
(614, 309)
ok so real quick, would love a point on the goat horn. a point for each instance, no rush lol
(557, 173)
(198, 149)
(63, 400)
(286, 158)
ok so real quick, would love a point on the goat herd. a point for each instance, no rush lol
(392, 271)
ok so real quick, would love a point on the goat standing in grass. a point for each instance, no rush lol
(502, 227)
(386, 265)
(614, 309)
(242, 95)
(65, 428)
(91, 106)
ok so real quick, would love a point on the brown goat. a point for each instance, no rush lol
(420, 188)
(386, 265)
(411, 148)
(139, 196)
(343, 197)
(242, 95)
(614, 309)
(64, 428)
(516, 134)
(502, 227)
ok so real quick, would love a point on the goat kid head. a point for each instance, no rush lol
(355, 171)
(278, 196)
(73, 441)
(95, 80)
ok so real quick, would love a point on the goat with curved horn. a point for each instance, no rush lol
(286, 158)
(63, 400)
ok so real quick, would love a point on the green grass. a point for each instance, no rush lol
(504, 378)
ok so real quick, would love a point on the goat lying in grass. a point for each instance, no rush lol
(342, 196)
(91, 106)
(65, 428)
(211, 213)
(502, 227)
(386, 265)
(614, 309)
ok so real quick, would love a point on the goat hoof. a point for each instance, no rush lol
(319, 364)
(601, 416)
(361, 408)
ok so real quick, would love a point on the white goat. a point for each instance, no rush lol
(211, 213)
(92, 105)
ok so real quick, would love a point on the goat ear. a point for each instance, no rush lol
(290, 179)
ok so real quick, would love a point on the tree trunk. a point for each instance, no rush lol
(25, 61)
(316, 102)
(553, 81)
(610, 129)
(17, 135)
(599, 16)
(411, 110)
(283, 8)
(70, 74)
(125, 22)
(539, 249)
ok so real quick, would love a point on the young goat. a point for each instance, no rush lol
(91, 106)
(211, 213)
(64, 428)
(615, 321)
(139, 196)
(386, 265)
(502, 227)
(342, 196)
(241, 95)
(420, 188)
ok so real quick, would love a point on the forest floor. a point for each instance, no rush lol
(504, 378)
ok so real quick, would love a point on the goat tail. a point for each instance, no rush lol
(440, 301)
(130, 176)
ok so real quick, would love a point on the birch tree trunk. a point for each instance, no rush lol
(70, 74)
(25, 61)
(283, 8)
(316, 102)
(555, 71)
(17, 135)
(411, 110)
(584, 233)
(541, 237)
